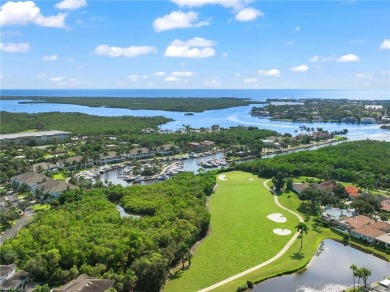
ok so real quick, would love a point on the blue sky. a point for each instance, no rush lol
(195, 44)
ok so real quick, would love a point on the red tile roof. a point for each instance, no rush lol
(357, 221)
(352, 191)
(385, 205)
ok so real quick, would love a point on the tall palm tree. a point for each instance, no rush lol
(353, 267)
(302, 228)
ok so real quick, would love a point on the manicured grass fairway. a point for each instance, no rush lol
(241, 234)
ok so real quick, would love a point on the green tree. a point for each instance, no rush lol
(278, 181)
(301, 228)
(365, 273)
(353, 267)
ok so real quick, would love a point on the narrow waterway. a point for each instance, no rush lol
(328, 271)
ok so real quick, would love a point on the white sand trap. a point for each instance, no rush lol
(277, 217)
(280, 231)
(222, 177)
(251, 179)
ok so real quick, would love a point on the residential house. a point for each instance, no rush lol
(6, 271)
(383, 240)
(207, 144)
(299, 187)
(17, 281)
(74, 162)
(37, 180)
(347, 224)
(352, 192)
(40, 137)
(84, 283)
(167, 149)
(111, 157)
(140, 153)
(43, 166)
(370, 232)
(327, 185)
(385, 205)
(332, 214)
(195, 147)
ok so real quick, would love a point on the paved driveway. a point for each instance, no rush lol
(25, 219)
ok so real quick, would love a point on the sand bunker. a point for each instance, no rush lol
(280, 231)
(277, 217)
(251, 179)
(222, 177)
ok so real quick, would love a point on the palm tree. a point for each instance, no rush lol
(289, 198)
(302, 228)
(353, 267)
(365, 273)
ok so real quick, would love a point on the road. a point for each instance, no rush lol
(9, 233)
(282, 252)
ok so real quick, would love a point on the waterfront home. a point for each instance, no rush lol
(86, 283)
(367, 120)
(370, 232)
(347, 224)
(352, 192)
(110, 157)
(43, 166)
(73, 162)
(167, 149)
(299, 187)
(140, 153)
(383, 240)
(195, 147)
(349, 120)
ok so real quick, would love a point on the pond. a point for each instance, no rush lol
(329, 271)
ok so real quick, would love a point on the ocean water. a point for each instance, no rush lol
(255, 94)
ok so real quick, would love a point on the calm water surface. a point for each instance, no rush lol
(328, 272)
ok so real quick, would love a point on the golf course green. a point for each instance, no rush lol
(241, 236)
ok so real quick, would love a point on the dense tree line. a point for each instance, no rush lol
(366, 163)
(179, 104)
(76, 123)
(85, 233)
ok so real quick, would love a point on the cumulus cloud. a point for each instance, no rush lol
(130, 52)
(364, 76)
(171, 79)
(23, 13)
(15, 47)
(301, 68)
(272, 72)
(194, 48)
(248, 14)
(236, 4)
(41, 76)
(71, 4)
(135, 78)
(160, 73)
(250, 80)
(385, 45)
(348, 58)
(178, 19)
(62, 81)
(50, 58)
(183, 73)
(316, 59)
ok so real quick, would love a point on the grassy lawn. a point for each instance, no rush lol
(241, 234)
(39, 208)
(58, 176)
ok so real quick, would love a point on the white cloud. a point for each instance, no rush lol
(248, 14)
(41, 76)
(348, 58)
(317, 58)
(171, 79)
(225, 55)
(161, 73)
(194, 42)
(364, 76)
(62, 81)
(385, 45)
(23, 13)
(301, 68)
(15, 47)
(250, 80)
(194, 48)
(183, 74)
(57, 79)
(71, 4)
(235, 4)
(212, 83)
(297, 29)
(178, 19)
(132, 51)
(272, 72)
(135, 78)
(50, 58)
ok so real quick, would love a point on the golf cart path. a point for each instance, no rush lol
(280, 253)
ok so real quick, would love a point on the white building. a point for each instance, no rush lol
(39, 137)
